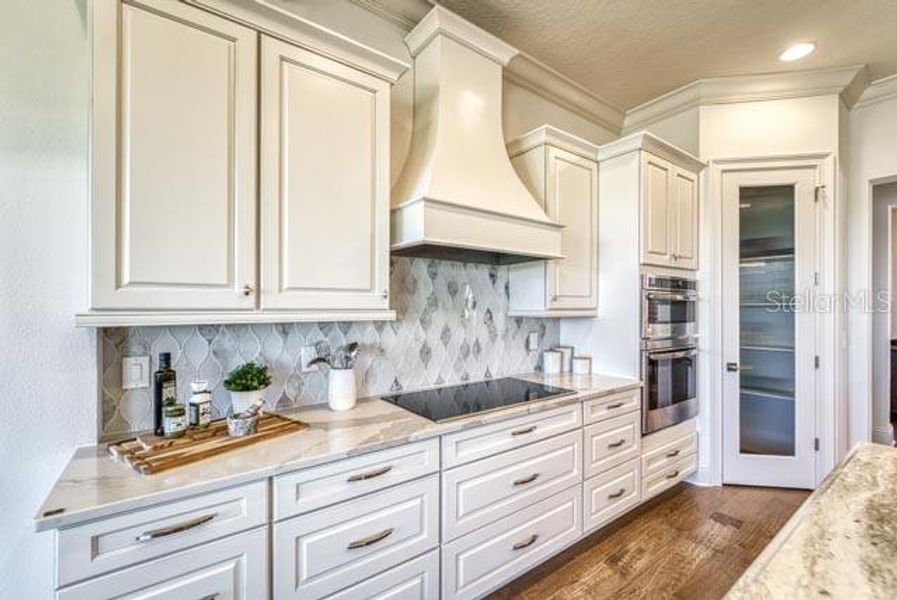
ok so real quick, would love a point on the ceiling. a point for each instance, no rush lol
(631, 51)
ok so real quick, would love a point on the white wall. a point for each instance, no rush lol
(681, 129)
(48, 374)
(872, 159)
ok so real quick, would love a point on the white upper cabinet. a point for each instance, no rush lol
(662, 181)
(173, 159)
(669, 219)
(561, 171)
(177, 138)
(324, 183)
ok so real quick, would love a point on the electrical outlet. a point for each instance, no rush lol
(307, 355)
(532, 341)
(135, 372)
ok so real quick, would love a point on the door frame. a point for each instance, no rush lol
(831, 407)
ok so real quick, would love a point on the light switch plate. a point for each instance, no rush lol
(135, 372)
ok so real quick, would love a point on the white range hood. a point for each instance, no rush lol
(458, 197)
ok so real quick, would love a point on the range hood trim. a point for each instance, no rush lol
(442, 21)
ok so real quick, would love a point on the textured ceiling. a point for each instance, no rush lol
(630, 51)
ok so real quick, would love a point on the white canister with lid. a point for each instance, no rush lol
(582, 365)
(551, 362)
(566, 358)
(199, 407)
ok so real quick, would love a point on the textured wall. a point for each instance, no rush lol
(451, 326)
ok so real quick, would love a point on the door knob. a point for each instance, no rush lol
(732, 367)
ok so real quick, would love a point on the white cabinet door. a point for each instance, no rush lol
(173, 159)
(324, 183)
(572, 201)
(657, 211)
(235, 568)
(685, 198)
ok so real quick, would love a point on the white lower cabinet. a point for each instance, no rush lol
(481, 492)
(612, 442)
(235, 568)
(610, 494)
(483, 560)
(325, 551)
(669, 476)
(416, 579)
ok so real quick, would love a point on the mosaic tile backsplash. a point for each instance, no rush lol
(451, 326)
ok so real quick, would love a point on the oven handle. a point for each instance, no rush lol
(685, 296)
(672, 354)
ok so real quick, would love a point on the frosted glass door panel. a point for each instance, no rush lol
(766, 319)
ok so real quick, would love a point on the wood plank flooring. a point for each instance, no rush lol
(689, 542)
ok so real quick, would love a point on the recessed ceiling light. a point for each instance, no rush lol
(797, 51)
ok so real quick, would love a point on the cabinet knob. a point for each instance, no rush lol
(247, 290)
(385, 294)
(554, 298)
(675, 257)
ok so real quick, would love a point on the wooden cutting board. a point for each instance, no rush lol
(149, 454)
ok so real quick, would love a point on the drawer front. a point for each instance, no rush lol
(608, 407)
(479, 493)
(322, 552)
(101, 546)
(612, 442)
(480, 442)
(669, 476)
(310, 489)
(235, 568)
(479, 562)
(609, 495)
(416, 579)
(654, 461)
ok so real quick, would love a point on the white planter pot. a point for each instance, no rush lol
(240, 401)
(341, 388)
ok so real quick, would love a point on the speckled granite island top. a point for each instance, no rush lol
(94, 486)
(841, 543)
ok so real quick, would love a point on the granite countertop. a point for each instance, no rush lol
(841, 543)
(93, 485)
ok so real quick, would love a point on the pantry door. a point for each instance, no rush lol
(769, 341)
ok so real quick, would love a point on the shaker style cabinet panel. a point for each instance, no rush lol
(173, 157)
(669, 214)
(324, 183)
(561, 171)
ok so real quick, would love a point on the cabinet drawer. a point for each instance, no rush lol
(322, 552)
(608, 407)
(612, 442)
(668, 477)
(485, 559)
(88, 550)
(610, 494)
(480, 442)
(479, 493)
(416, 579)
(654, 461)
(314, 488)
(235, 568)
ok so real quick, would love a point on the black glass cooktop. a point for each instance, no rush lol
(447, 403)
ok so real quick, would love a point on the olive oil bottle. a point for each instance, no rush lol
(165, 387)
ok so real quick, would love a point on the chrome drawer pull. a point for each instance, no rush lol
(521, 545)
(529, 429)
(616, 495)
(617, 444)
(614, 405)
(166, 531)
(526, 480)
(370, 474)
(673, 475)
(214, 596)
(371, 539)
(673, 454)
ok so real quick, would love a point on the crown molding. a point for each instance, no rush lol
(644, 140)
(524, 71)
(848, 82)
(269, 18)
(878, 91)
(546, 135)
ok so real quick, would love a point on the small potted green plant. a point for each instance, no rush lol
(245, 384)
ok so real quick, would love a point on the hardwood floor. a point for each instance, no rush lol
(690, 542)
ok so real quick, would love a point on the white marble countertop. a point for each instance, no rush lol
(841, 543)
(93, 485)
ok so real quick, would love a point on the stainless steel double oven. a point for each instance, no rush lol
(669, 350)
